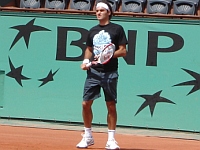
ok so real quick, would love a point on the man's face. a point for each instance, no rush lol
(102, 13)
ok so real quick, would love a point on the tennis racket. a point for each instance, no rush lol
(104, 56)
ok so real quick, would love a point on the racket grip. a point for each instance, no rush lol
(89, 64)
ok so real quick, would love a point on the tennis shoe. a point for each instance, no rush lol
(85, 142)
(112, 144)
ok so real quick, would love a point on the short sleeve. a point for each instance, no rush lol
(122, 36)
(89, 41)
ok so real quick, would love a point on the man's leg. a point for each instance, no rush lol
(87, 118)
(112, 121)
(112, 115)
(87, 113)
(91, 92)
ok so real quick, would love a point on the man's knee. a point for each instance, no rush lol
(87, 104)
(111, 105)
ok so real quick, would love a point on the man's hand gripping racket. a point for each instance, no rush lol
(104, 56)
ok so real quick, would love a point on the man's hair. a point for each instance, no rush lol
(109, 6)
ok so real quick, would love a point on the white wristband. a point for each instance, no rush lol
(86, 61)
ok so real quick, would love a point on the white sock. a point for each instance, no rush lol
(88, 132)
(111, 134)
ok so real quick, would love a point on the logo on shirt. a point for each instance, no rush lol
(100, 40)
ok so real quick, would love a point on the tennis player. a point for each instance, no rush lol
(102, 76)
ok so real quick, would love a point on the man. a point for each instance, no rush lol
(102, 76)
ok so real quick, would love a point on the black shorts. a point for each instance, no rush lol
(96, 80)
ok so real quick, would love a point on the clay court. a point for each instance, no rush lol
(30, 135)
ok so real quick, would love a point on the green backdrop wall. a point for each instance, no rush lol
(159, 82)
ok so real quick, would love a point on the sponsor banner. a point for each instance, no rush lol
(159, 79)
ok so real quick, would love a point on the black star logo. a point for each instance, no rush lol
(48, 78)
(151, 100)
(25, 32)
(195, 83)
(16, 73)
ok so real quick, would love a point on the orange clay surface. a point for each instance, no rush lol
(29, 138)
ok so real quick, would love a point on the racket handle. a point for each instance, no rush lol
(89, 64)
